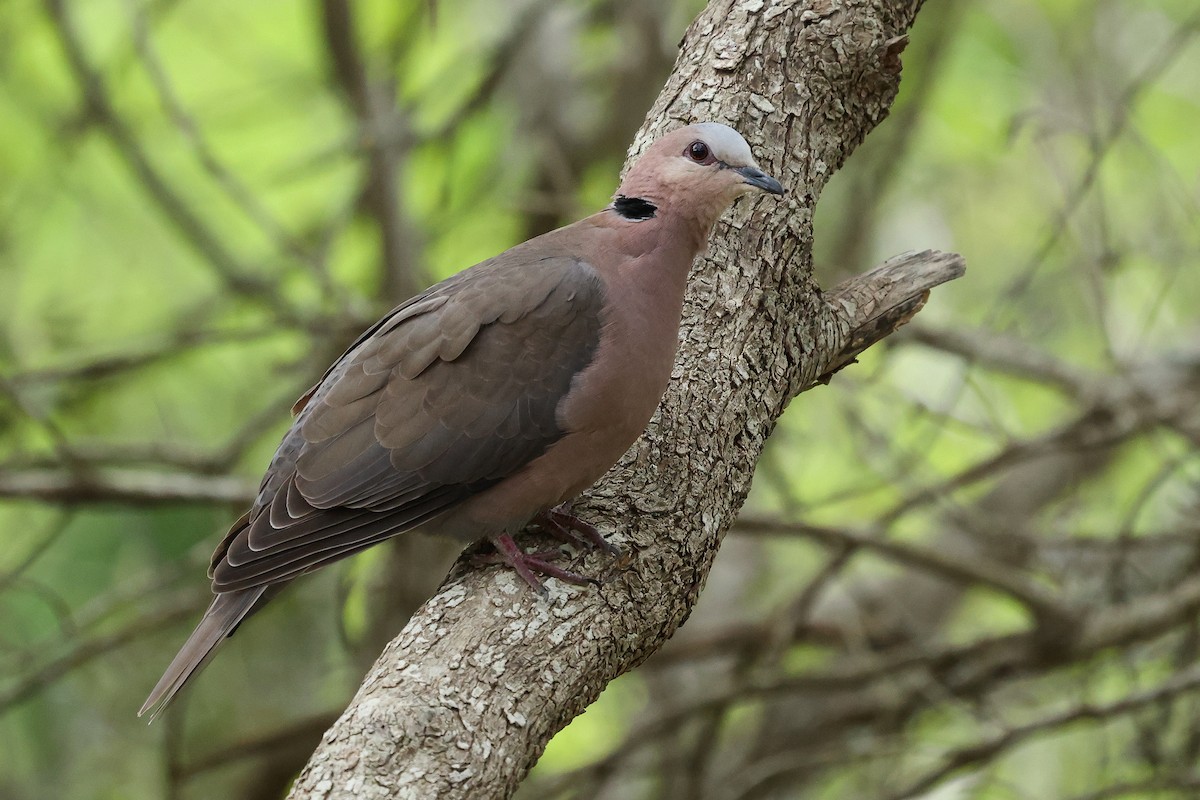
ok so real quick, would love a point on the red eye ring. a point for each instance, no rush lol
(699, 152)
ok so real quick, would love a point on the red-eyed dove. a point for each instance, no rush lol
(490, 399)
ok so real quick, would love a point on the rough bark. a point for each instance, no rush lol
(464, 700)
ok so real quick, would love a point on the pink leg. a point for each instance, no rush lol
(562, 524)
(527, 564)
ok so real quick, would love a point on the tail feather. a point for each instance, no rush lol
(228, 609)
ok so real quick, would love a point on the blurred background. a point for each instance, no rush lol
(970, 567)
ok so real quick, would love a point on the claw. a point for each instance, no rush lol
(529, 565)
(562, 524)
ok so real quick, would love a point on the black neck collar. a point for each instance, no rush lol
(635, 209)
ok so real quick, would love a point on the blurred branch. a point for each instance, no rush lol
(44, 543)
(125, 487)
(101, 366)
(976, 571)
(1165, 55)
(166, 612)
(385, 135)
(306, 731)
(62, 447)
(1185, 785)
(991, 747)
(99, 107)
(874, 175)
(234, 188)
(1163, 396)
(83, 473)
(1006, 354)
(499, 63)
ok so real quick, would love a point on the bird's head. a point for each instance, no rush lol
(701, 168)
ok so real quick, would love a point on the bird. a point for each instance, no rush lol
(489, 401)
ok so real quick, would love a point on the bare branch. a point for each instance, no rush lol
(886, 298)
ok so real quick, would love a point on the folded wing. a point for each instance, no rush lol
(443, 398)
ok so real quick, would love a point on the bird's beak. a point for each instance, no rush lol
(759, 179)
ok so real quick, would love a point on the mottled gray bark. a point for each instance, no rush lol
(464, 700)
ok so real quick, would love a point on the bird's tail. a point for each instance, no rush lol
(226, 611)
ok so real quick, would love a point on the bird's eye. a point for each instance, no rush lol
(698, 152)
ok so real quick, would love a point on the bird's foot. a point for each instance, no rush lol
(530, 565)
(560, 523)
